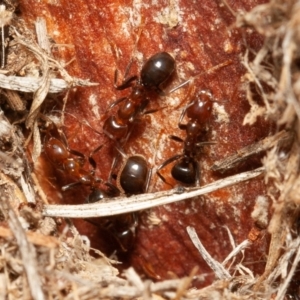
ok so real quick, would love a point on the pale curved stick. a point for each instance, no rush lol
(121, 205)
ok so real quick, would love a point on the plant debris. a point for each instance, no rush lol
(38, 262)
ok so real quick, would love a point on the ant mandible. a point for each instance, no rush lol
(133, 178)
(156, 71)
(186, 169)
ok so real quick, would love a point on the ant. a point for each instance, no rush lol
(133, 178)
(69, 161)
(156, 71)
(186, 169)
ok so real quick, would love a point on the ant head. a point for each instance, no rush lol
(201, 107)
(96, 195)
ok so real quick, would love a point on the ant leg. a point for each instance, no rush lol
(121, 151)
(81, 157)
(113, 190)
(149, 175)
(126, 82)
(118, 147)
(154, 110)
(128, 68)
(164, 164)
(93, 163)
(124, 141)
(91, 160)
(135, 219)
(143, 105)
(115, 160)
(70, 185)
(116, 103)
(113, 166)
(150, 111)
(181, 125)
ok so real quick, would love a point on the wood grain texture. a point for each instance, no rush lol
(101, 37)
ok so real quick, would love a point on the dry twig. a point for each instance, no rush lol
(123, 205)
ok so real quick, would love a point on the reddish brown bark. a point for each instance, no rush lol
(202, 36)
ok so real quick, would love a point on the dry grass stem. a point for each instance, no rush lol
(115, 206)
(219, 270)
(279, 139)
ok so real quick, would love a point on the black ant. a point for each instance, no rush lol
(133, 178)
(156, 71)
(69, 161)
(186, 170)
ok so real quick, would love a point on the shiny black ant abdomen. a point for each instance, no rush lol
(157, 70)
(134, 175)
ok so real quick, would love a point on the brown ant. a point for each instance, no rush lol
(156, 71)
(133, 178)
(186, 170)
(69, 161)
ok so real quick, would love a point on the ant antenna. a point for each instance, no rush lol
(115, 51)
(138, 36)
(141, 27)
(84, 122)
(209, 71)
